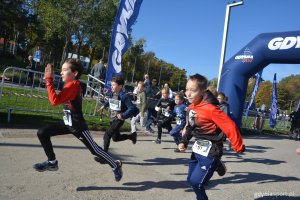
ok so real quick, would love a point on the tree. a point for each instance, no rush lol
(264, 93)
(13, 20)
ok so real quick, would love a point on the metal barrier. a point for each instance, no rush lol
(258, 121)
(24, 90)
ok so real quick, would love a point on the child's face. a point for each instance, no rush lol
(115, 87)
(140, 88)
(164, 94)
(193, 93)
(221, 99)
(66, 73)
(178, 100)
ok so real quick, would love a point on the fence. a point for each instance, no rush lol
(24, 90)
(258, 121)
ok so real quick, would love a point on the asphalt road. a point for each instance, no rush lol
(268, 169)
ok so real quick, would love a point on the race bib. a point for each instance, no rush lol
(202, 147)
(114, 104)
(67, 117)
(165, 112)
(178, 121)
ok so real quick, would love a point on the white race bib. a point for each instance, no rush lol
(114, 104)
(202, 147)
(178, 121)
(165, 112)
(67, 117)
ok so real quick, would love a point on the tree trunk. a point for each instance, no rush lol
(78, 48)
(65, 51)
(91, 59)
(4, 45)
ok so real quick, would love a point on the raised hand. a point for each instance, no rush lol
(49, 73)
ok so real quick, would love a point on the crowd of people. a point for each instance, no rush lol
(199, 113)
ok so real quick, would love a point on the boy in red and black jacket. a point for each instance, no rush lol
(73, 121)
(206, 123)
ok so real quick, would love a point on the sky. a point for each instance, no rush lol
(188, 33)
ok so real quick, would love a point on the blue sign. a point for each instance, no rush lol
(37, 56)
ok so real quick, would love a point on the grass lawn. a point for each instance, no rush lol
(22, 119)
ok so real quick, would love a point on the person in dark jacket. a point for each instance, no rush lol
(120, 108)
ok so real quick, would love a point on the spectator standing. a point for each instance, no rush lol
(147, 81)
(31, 66)
(103, 73)
(295, 123)
(96, 72)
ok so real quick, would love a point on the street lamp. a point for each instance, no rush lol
(224, 41)
(179, 81)
(133, 70)
(160, 74)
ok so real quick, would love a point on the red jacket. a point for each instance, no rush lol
(210, 118)
(68, 93)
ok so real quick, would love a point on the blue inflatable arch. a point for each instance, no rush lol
(266, 48)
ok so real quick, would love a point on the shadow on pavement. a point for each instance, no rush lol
(248, 177)
(160, 161)
(143, 186)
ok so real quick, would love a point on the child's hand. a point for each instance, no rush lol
(158, 109)
(242, 150)
(100, 111)
(168, 109)
(298, 150)
(181, 147)
(119, 116)
(49, 71)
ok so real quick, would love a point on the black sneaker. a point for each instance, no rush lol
(134, 136)
(118, 171)
(157, 141)
(100, 160)
(46, 166)
(221, 168)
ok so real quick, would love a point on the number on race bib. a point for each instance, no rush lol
(67, 117)
(202, 147)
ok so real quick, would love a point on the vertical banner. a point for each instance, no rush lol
(127, 13)
(254, 91)
(273, 112)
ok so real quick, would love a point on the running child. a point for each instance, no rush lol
(207, 123)
(73, 121)
(120, 108)
(179, 113)
(164, 107)
(141, 104)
